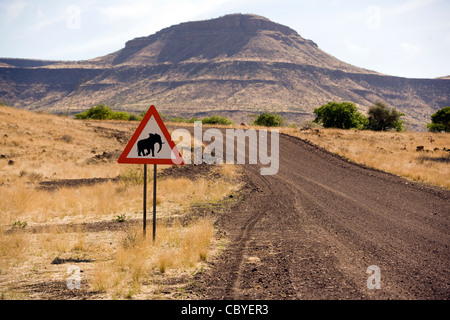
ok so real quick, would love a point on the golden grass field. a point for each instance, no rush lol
(393, 152)
(47, 225)
(45, 230)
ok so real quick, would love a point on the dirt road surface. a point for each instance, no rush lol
(312, 230)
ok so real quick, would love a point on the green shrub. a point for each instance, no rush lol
(121, 218)
(134, 117)
(192, 120)
(342, 115)
(103, 112)
(381, 118)
(19, 225)
(216, 120)
(440, 121)
(178, 119)
(120, 115)
(99, 112)
(268, 119)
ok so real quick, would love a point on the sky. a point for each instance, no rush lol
(405, 38)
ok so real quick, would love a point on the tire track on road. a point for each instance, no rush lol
(311, 231)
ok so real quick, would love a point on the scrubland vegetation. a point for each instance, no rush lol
(64, 200)
(393, 152)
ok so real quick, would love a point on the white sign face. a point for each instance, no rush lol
(151, 143)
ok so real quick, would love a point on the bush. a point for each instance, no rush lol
(120, 115)
(440, 121)
(268, 119)
(99, 112)
(216, 120)
(103, 112)
(381, 118)
(178, 119)
(342, 115)
(134, 117)
(19, 225)
(67, 138)
(121, 218)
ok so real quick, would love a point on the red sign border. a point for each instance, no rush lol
(124, 156)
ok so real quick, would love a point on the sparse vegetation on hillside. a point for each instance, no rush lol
(68, 200)
(267, 67)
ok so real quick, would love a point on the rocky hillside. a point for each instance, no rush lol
(234, 65)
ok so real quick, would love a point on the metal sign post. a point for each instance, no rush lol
(154, 202)
(145, 201)
(141, 150)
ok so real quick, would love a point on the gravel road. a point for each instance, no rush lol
(312, 230)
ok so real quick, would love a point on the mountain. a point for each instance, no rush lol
(234, 65)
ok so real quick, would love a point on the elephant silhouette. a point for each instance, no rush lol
(149, 145)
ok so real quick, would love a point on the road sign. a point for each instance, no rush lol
(151, 143)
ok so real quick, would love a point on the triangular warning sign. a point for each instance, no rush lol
(151, 143)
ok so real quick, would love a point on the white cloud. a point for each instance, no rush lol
(137, 9)
(357, 49)
(143, 18)
(409, 48)
(140, 18)
(373, 17)
(131, 10)
(410, 5)
(14, 9)
(42, 21)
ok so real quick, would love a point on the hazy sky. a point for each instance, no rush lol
(407, 38)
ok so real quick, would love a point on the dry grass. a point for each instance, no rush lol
(20, 202)
(48, 147)
(137, 261)
(393, 152)
(116, 264)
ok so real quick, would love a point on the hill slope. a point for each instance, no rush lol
(235, 65)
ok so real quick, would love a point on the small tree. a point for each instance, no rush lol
(381, 118)
(268, 119)
(342, 115)
(440, 121)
